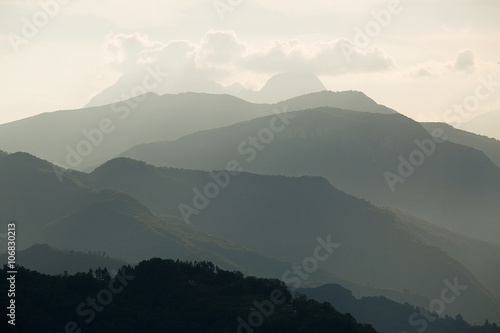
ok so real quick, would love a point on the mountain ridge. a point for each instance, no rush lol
(164, 189)
(85, 138)
(278, 87)
(355, 151)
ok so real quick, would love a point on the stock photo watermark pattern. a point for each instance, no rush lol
(455, 116)
(293, 277)
(407, 166)
(88, 309)
(463, 111)
(31, 27)
(12, 272)
(249, 148)
(94, 137)
(363, 37)
(437, 306)
(376, 86)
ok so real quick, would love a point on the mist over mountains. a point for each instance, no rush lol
(485, 124)
(267, 215)
(400, 209)
(364, 154)
(231, 166)
(81, 139)
(279, 87)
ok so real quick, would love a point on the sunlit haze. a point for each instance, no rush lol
(421, 59)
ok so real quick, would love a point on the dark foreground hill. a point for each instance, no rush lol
(258, 224)
(72, 216)
(166, 296)
(282, 217)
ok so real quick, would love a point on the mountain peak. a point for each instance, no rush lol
(485, 124)
(350, 100)
(291, 84)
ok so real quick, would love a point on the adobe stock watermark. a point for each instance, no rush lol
(223, 6)
(407, 166)
(363, 37)
(249, 148)
(87, 309)
(94, 137)
(448, 295)
(461, 112)
(39, 20)
(454, 116)
(294, 277)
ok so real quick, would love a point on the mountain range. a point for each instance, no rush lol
(85, 138)
(279, 87)
(72, 216)
(489, 146)
(485, 124)
(397, 208)
(388, 159)
(257, 224)
(385, 315)
(166, 295)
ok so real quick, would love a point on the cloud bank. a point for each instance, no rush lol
(220, 53)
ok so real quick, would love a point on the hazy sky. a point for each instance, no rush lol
(421, 57)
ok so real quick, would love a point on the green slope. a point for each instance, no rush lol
(454, 186)
(490, 147)
(114, 128)
(282, 217)
(73, 216)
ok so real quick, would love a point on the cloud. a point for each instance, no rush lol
(220, 48)
(465, 61)
(322, 58)
(423, 72)
(176, 54)
(428, 69)
(125, 52)
(221, 55)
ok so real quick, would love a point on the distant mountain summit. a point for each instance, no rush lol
(78, 139)
(284, 86)
(279, 87)
(486, 124)
(301, 82)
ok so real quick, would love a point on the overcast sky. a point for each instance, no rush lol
(421, 57)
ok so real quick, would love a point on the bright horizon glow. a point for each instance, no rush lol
(424, 59)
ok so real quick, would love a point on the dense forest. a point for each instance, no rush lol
(166, 296)
(172, 296)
